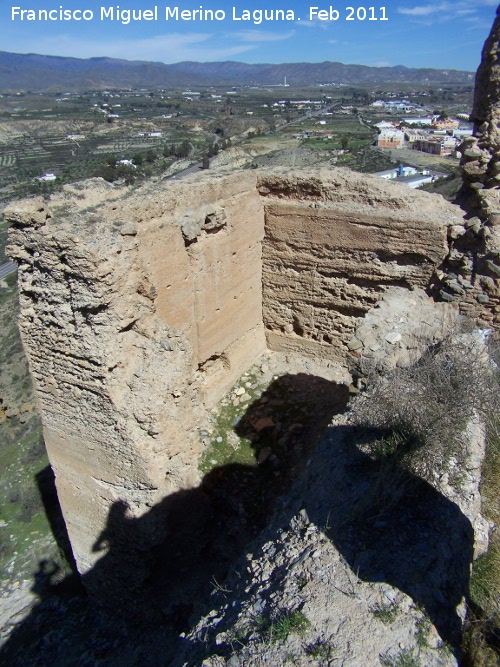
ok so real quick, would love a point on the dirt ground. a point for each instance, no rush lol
(445, 164)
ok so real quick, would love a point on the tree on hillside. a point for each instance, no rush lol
(183, 149)
(441, 114)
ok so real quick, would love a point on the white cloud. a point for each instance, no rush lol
(170, 48)
(262, 35)
(424, 10)
(447, 9)
(313, 24)
(478, 24)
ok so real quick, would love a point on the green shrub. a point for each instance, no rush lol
(286, 623)
(420, 413)
(320, 649)
(279, 626)
(11, 279)
(387, 613)
(31, 503)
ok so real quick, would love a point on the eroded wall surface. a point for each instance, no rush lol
(334, 242)
(140, 309)
(136, 316)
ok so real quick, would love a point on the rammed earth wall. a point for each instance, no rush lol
(139, 312)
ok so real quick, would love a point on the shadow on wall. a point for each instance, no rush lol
(418, 542)
(46, 483)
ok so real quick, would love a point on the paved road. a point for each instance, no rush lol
(185, 172)
(5, 269)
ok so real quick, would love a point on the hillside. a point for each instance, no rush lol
(40, 72)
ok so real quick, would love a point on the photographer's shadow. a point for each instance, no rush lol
(391, 526)
(402, 532)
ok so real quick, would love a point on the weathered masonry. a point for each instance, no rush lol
(140, 310)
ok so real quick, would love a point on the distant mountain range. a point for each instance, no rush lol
(36, 72)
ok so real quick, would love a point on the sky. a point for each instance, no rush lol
(443, 34)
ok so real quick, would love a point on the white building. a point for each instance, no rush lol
(416, 135)
(416, 181)
(462, 132)
(388, 174)
(391, 138)
(409, 176)
(402, 171)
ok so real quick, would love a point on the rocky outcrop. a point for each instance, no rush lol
(470, 275)
(481, 153)
(387, 337)
(364, 562)
(367, 588)
(138, 313)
